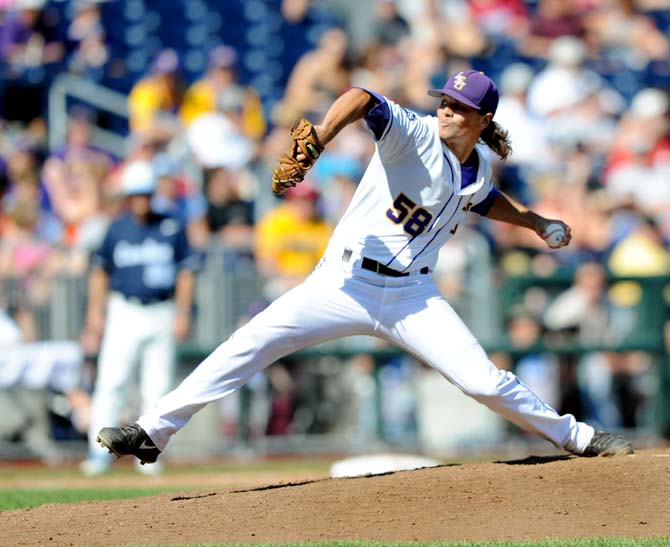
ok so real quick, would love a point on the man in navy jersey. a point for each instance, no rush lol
(142, 280)
(426, 174)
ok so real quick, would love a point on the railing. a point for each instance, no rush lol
(225, 297)
(90, 93)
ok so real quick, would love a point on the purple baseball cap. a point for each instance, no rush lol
(222, 57)
(167, 62)
(473, 88)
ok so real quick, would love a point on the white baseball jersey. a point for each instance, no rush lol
(408, 204)
(412, 197)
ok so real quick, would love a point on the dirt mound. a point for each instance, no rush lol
(558, 497)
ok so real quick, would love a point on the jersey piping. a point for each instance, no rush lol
(445, 225)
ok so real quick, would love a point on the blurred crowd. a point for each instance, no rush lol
(584, 86)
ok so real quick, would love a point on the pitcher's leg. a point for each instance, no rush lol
(308, 314)
(249, 350)
(457, 355)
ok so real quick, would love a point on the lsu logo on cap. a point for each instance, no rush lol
(460, 81)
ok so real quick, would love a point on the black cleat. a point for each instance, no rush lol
(608, 444)
(129, 441)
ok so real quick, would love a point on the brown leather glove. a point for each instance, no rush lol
(290, 170)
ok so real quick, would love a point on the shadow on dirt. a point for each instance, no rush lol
(313, 481)
(530, 460)
(536, 460)
(186, 498)
(275, 486)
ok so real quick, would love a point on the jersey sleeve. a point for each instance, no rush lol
(484, 206)
(102, 257)
(396, 129)
(486, 195)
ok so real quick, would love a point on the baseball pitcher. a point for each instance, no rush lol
(427, 173)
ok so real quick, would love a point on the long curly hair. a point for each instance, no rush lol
(497, 139)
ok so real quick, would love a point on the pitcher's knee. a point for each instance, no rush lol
(492, 386)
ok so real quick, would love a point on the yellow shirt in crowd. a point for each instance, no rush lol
(201, 98)
(292, 244)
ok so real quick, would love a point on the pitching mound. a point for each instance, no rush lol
(535, 498)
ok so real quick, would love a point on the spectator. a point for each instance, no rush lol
(421, 62)
(73, 178)
(146, 147)
(319, 77)
(531, 148)
(143, 276)
(550, 20)
(538, 370)
(379, 67)
(30, 47)
(584, 308)
(86, 21)
(463, 276)
(341, 187)
(22, 174)
(154, 100)
(501, 20)
(638, 166)
(178, 196)
(229, 218)
(89, 52)
(274, 143)
(29, 36)
(627, 38)
(641, 252)
(347, 155)
(220, 89)
(390, 26)
(584, 314)
(295, 11)
(454, 25)
(291, 239)
(28, 260)
(216, 140)
(566, 81)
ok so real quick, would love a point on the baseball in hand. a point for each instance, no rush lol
(554, 235)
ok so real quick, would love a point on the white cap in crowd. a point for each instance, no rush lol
(139, 177)
(567, 51)
(516, 78)
(650, 103)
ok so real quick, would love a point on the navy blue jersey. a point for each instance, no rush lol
(142, 260)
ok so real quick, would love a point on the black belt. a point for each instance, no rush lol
(378, 267)
(143, 301)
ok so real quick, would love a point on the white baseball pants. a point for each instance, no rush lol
(138, 344)
(339, 300)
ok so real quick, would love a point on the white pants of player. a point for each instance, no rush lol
(339, 300)
(138, 345)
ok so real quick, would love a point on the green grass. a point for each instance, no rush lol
(231, 467)
(22, 497)
(13, 498)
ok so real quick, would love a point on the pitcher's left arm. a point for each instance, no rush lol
(553, 231)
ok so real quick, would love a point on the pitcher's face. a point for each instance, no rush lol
(459, 121)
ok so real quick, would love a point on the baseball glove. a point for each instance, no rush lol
(290, 170)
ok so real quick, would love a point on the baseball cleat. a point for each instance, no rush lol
(608, 444)
(131, 440)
